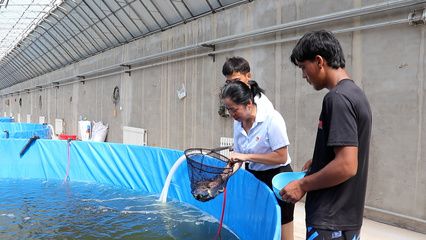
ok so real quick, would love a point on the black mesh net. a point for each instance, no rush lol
(208, 172)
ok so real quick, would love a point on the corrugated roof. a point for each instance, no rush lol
(72, 30)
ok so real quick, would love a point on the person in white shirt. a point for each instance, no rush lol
(238, 68)
(260, 139)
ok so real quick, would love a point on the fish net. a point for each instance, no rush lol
(208, 171)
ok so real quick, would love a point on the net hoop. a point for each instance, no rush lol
(200, 165)
(208, 172)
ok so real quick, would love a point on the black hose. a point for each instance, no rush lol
(28, 145)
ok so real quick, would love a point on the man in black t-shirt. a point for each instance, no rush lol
(337, 174)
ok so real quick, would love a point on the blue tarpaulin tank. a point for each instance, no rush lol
(6, 119)
(23, 130)
(251, 209)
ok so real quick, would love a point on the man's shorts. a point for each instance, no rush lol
(319, 234)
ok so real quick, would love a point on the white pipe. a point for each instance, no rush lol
(357, 28)
(158, 55)
(320, 19)
(281, 27)
(163, 196)
(286, 26)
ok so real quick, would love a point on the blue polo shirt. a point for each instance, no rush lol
(267, 134)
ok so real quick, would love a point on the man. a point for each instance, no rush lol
(337, 174)
(238, 68)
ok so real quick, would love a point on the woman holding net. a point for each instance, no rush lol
(260, 140)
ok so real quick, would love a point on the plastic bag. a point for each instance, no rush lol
(99, 131)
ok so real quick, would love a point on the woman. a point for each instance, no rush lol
(260, 140)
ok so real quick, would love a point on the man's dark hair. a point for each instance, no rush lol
(321, 43)
(235, 64)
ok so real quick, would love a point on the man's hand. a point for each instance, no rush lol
(293, 192)
(307, 165)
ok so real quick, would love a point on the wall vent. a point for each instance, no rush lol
(225, 142)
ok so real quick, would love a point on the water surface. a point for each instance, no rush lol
(37, 209)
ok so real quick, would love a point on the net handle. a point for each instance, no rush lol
(218, 149)
(230, 148)
(207, 151)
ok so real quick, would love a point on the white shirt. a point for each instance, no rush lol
(267, 134)
(263, 102)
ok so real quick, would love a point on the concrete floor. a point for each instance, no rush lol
(370, 230)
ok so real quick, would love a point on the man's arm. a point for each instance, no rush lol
(340, 169)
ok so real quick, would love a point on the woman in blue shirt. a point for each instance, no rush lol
(260, 140)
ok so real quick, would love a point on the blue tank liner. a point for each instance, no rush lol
(251, 212)
(6, 119)
(24, 130)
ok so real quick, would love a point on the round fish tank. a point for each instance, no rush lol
(103, 190)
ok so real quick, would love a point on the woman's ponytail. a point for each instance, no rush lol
(255, 89)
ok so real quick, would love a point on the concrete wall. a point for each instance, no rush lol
(387, 62)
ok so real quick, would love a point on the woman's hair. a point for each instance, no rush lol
(241, 93)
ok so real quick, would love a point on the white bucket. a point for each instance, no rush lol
(84, 130)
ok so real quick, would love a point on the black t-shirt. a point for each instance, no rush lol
(345, 121)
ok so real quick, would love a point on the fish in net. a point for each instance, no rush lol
(209, 172)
